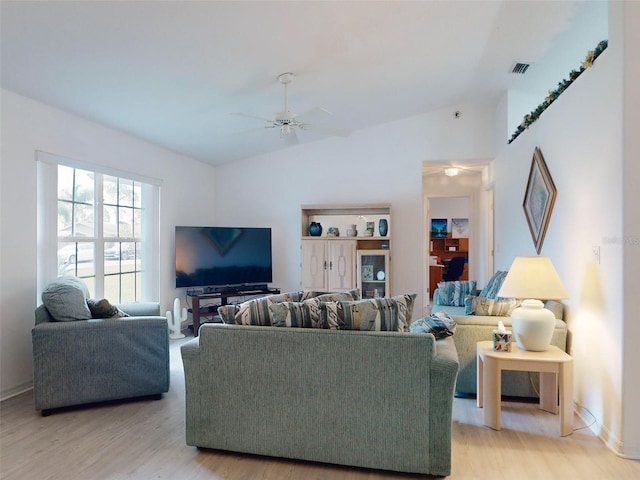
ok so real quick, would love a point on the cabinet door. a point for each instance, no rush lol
(374, 273)
(342, 264)
(313, 265)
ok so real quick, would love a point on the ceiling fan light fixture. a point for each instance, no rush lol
(451, 171)
(285, 78)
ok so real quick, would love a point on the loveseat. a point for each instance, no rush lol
(366, 398)
(78, 359)
(476, 317)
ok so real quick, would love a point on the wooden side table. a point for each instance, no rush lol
(556, 370)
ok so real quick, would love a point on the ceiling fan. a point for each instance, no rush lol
(288, 122)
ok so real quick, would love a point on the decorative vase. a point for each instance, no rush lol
(315, 229)
(351, 231)
(383, 227)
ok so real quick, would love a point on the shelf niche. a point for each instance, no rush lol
(341, 216)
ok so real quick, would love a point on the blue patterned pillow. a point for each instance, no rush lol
(339, 296)
(404, 306)
(493, 286)
(256, 311)
(454, 293)
(379, 314)
(331, 296)
(440, 325)
(349, 315)
(307, 314)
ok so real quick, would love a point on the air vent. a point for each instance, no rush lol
(519, 68)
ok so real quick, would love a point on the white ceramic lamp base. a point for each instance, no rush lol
(533, 325)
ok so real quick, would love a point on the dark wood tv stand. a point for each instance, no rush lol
(223, 297)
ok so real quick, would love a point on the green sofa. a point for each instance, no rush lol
(471, 329)
(373, 399)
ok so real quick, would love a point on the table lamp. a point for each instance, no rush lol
(533, 279)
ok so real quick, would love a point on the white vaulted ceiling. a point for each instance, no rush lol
(174, 72)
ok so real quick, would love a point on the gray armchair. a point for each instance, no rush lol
(94, 360)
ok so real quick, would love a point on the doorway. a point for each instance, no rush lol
(465, 196)
(449, 225)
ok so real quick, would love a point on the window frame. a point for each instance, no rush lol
(47, 226)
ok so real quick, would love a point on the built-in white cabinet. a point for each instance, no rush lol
(342, 262)
(328, 265)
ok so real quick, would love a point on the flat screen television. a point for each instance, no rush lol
(223, 256)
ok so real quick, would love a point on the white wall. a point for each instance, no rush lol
(587, 29)
(631, 228)
(377, 165)
(582, 143)
(450, 207)
(186, 197)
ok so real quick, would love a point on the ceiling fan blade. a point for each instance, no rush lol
(316, 113)
(252, 116)
(331, 131)
(290, 137)
(253, 130)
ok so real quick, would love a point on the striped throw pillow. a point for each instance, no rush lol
(493, 285)
(255, 311)
(307, 314)
(379, 314)
(454, 293)
(476, 305)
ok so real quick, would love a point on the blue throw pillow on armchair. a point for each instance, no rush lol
(66, 299)
(439, 324)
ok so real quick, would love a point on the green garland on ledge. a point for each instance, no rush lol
(562, 86)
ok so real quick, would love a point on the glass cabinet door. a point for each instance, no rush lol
(373, 273)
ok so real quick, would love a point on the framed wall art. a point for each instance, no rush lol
(459, 227)
(439, 228)
(539, 199)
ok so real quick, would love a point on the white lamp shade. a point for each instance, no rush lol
(533, 277)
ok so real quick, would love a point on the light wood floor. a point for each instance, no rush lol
(145, 440)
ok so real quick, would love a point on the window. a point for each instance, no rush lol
(105, 227)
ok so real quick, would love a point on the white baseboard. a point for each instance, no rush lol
(631, 452)
(14, 391)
